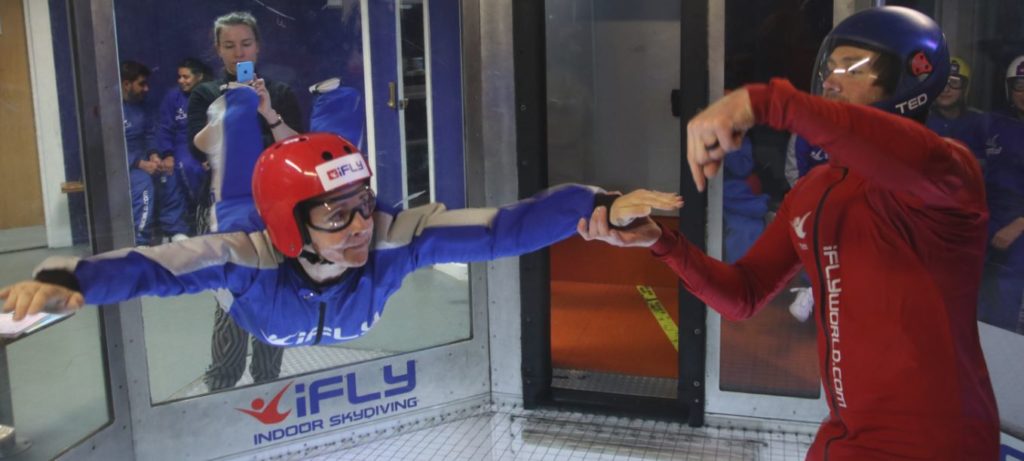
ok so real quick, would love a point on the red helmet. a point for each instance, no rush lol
(297, 169)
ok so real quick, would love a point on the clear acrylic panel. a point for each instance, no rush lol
(774, 352)
(380, 53)
(983, 107)
(611, 67)
(43, 214)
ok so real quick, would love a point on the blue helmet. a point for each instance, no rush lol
(911, 40)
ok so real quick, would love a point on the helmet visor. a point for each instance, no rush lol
(1016, 85)
(844, 64)
(956, 82)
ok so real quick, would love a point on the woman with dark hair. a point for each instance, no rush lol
(173, 141)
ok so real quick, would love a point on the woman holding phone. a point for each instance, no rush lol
(236, 39)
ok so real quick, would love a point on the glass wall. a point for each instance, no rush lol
(53, 376)
(193, 345)
(983, 107)
(775, 351)
(611, 67)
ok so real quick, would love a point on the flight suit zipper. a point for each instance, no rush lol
(320, 324)
(823, 309)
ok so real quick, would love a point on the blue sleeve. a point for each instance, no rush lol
(228, 261)
(150, 128)
(435, 235)
(740, 163)
(165, 125)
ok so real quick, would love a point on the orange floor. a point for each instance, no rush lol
(600, 322)
(609, 328)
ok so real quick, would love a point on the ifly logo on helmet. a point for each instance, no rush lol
(343, 170)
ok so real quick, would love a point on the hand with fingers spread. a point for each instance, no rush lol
(31, 297)
(636, 205)
(715, 131)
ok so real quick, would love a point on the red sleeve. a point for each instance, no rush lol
(740, 290)
(893, 152)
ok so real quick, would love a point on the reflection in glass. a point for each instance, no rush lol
(610, 305)
(415, 102)
(775, 351)
(988, 39)
(295, 47)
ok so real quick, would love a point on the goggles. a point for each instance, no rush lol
(337, 213)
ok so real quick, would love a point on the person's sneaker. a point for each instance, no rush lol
(803, 304)
(178, 237)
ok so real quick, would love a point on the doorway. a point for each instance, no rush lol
(610, 329)
(21, 214)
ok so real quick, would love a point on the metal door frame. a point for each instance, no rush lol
(529, 42)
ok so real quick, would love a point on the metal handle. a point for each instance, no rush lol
(392, 95)
(71, 187)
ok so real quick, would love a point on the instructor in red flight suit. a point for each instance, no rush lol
(892, 231)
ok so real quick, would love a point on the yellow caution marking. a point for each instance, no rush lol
(660, 314)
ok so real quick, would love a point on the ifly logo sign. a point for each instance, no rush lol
(343, 170)
(1008, 453)
(384, 392)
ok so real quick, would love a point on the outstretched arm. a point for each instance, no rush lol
(230, 261)
(435, 235)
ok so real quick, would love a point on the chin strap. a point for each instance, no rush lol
(317, 268)
(312, 257)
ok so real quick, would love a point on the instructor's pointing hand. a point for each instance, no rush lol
(715, 131)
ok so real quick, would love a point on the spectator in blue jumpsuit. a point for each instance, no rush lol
(154, 189)
(173, 143)
(1002, 303)
(998, 142)
(744, 209)
(951, 117)
(801, 157)
(1015, 87)
(1004, 189)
